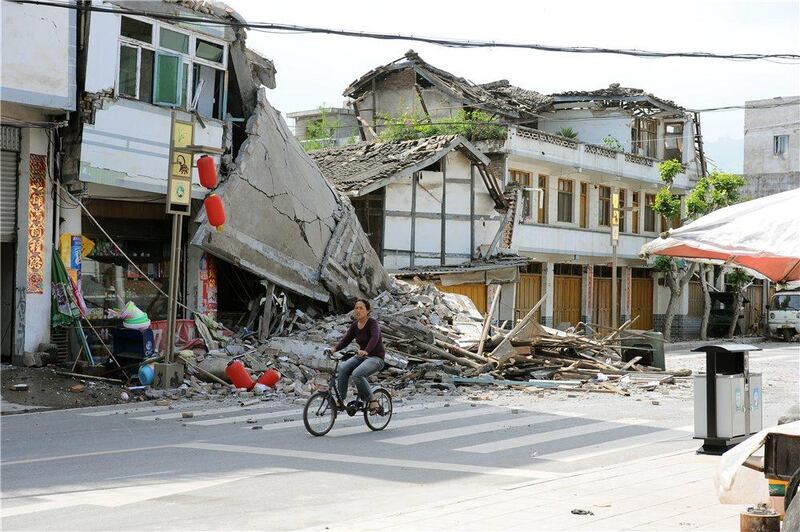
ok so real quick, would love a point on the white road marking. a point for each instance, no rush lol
(373, 460)
(614, 446)
(471, 429)
(113, 496)
(81, 455)
(343, 417)
(177, 412)
(542, 437)
(125, 410)
(422, 420)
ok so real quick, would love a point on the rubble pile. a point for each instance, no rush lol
(434, 342)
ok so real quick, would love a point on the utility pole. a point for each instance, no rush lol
(169, 374)
(614, 240)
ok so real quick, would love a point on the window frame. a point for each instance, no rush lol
(583, 221)
(569, 204)
(541, 211)
(185, 68)
(635, 212)
(604, 206)
(779, 141)
(649, 200)
(679, 140)
(622, 204)
(525, 180)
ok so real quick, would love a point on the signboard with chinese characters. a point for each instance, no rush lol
(615, 217)
(179, 186)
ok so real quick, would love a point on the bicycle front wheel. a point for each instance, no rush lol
(380, 419)
(319, 414)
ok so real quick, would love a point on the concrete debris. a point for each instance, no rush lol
(313, 244)
(436, 343)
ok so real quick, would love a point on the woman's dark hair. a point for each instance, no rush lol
(366, 303)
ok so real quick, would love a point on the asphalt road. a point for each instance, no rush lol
(145, 467)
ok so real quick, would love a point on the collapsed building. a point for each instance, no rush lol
(140, 67)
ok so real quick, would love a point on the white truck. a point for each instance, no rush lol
(783, 319)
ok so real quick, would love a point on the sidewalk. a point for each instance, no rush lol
(683, 347)
(674, 491)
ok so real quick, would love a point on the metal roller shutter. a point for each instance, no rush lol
(9, 177)
(9, 169)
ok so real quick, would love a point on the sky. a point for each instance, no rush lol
(313, 69)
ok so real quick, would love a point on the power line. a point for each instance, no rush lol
(440, 41)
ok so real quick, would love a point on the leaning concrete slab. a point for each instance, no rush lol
(285, 222)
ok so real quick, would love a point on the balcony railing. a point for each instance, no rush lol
(586, 149)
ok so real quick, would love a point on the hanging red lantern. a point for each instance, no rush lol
(215, 210)
(207, 171)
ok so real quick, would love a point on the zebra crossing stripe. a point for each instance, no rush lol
(175, 413)
(471, 429)
(365, 459)
(422, 420)
(236, 419)
(595, 425)
(125, 410)
(615, 446)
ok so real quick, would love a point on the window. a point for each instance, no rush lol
(136, 29)
(780, 144)
(542, 218)
(635, 213)
(673, 141)
(208, 85)
(584, 205)
(172, 40)
(564, 200)
(649, 213)
(524, 181)
(622, 194)
(168, 74)
(605, 206)
(167, 80)
(128, 66)
(209, 51)
(644, 137)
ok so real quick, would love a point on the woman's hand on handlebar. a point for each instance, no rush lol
(361, 353)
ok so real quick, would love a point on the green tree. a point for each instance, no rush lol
(321, 132)
(474, 125)
(715, 191)
(676, 273)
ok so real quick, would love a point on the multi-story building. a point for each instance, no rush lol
(771, 145)
(37, 89)
(567, 154)
(325, 127)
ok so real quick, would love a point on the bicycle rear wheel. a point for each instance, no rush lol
(319, 414)
(379, 420)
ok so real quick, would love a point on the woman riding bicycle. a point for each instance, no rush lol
(369, 358)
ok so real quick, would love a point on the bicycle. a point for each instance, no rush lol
(320, 411)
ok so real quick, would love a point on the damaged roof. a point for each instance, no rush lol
(367, 166)
(459, 88)
(616, 92)
(495, 262)
(501, 97)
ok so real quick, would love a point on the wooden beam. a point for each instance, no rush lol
(488, 321)
(266, 317)
(442, 243)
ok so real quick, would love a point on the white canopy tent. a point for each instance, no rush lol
(762, 236)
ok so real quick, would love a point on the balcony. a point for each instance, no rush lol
(567, 242)
(556, 151)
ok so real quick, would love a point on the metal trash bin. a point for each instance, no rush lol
(646, 344)
(727, 398)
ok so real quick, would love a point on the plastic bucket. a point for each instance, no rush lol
(238, 375)
(269, 378)
(146, 374)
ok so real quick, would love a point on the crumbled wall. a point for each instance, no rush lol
(285, 223)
